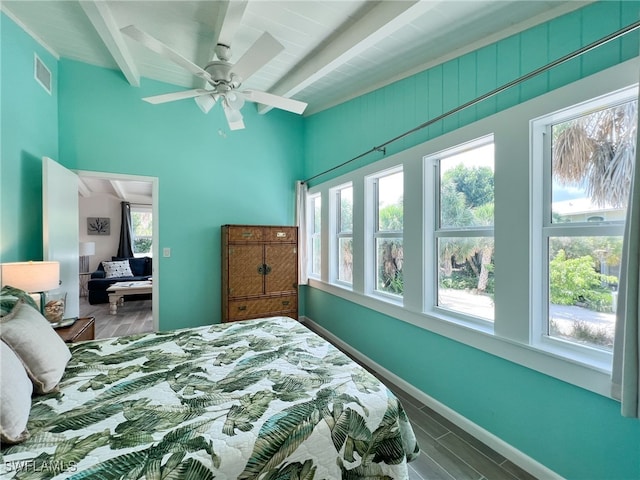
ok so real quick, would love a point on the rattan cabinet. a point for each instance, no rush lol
(259, 272)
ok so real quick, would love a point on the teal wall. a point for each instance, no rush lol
(578, 434)
(29, 131)
(205, 179)
(376, 117)
(95, 121)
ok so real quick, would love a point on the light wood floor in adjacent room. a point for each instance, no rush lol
(447, 452)
(133, 317)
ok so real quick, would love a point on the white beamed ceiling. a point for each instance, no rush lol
(334, 50)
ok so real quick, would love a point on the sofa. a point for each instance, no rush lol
(140, 269)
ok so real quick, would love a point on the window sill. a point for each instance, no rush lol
(573, 369)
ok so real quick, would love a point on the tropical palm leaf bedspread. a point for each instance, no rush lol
(264, 399)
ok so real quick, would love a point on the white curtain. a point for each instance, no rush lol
(301, 222)
(626, 350)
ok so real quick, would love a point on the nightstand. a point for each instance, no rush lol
(82, 329)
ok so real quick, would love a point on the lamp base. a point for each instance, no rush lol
(84, 264)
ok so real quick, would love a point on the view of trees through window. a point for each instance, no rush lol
(316, 230)
(345, 234)
(591, 167)
(142, 231)
(389, 231)
(465, 238)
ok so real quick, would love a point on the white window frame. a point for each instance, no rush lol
(374, 234)
(337, 233)
(542, 228)
(432, 163)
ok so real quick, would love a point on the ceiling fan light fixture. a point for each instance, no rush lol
(206, 102)
(234, 117)
(235, 100)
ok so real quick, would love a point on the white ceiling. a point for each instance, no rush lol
(334, 50)
(133, 191)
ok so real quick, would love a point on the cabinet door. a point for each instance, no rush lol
(245, 265)
(283, 273)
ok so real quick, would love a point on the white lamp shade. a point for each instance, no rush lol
(87, 248)
(31, 276)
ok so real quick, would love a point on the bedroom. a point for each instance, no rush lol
(571, 430)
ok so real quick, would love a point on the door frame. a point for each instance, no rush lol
(155, 245)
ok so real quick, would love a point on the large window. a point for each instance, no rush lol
(533, 280)
(142, 224)
(588, 153)
(344, 233)
(388, 201)
(315, 217)
(464, 229)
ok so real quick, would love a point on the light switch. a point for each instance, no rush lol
(166, 252)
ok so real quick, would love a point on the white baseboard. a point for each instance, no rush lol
(511, 453)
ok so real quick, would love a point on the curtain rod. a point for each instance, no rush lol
(383, 146)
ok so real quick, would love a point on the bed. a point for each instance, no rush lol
(263, 398)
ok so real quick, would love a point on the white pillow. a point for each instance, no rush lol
(40, 349)
(15, 397)
(117, 269)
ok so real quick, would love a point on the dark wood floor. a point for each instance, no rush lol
(447, 452)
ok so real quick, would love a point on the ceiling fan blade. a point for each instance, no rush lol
(234, 117)
(160, 48)
(171, 97)
(229, 18)
(276, 101)
(258, 55)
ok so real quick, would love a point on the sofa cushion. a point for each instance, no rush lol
(140, 266)
(15, 397)
(117, 269)
(40, 349)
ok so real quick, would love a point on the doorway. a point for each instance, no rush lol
(99, 203)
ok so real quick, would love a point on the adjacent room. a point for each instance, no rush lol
(220, 197)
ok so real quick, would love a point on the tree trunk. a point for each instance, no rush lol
(483, 279)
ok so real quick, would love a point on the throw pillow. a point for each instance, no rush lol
(40, 349)
(15, 397)
(9, 298)
(117, 269)
(137, 264)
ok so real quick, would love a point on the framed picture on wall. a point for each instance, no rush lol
(98, 226)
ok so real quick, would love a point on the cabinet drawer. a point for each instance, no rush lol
(263, 307)
(245, 234)
(281, 234)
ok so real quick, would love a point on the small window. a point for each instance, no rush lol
(142, 225)
(315, 217)
(388, 233)
(344, 233)
(464, 231)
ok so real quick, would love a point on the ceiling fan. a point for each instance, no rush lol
(223, 79)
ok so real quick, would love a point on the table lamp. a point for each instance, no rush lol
(86, 250)
(32, 277)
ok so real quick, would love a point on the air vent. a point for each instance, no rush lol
(42, 74)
